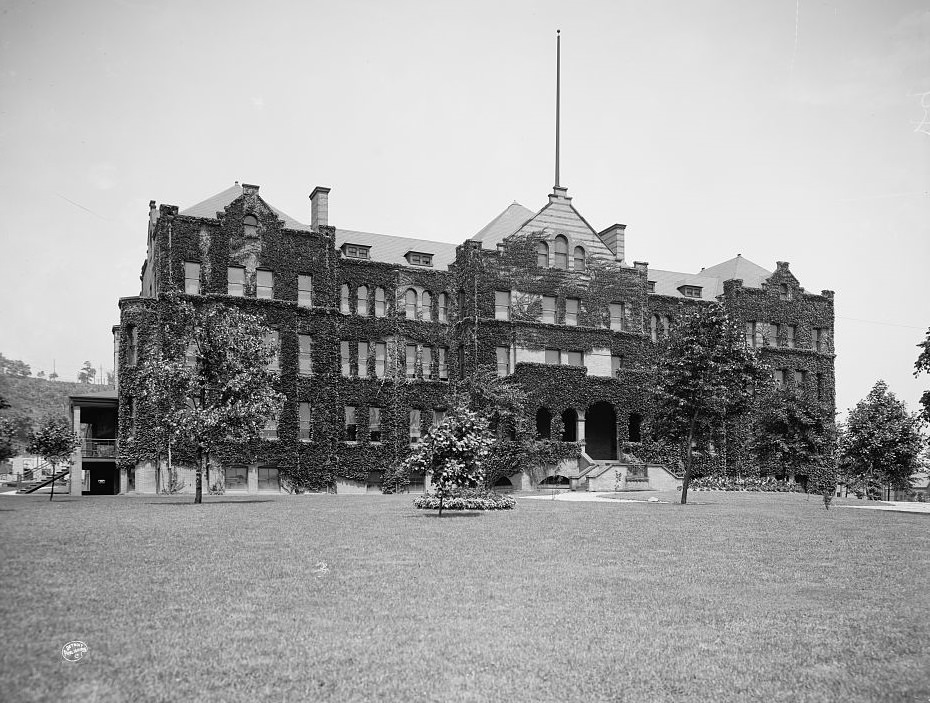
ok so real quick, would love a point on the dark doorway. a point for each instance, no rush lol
(102, 478)
(601, 431)
(636, 423)
(570, 426)
(556, 481)
(543, 423)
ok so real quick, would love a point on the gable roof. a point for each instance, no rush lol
(392, 250)
(508, 222)
(710, 279)
(214, 204)
(751, 274)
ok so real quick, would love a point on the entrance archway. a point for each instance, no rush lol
(601, 431)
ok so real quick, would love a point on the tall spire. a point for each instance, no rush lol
(558, 71)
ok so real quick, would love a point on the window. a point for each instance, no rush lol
(264, 284)
(304, 354)
(354, 251)
(781, 378)
(363, 359)
(235, 281)
(427, 306)
(344, 361)
(344, 299)
(271, 428)
(617, 316)
(616, 364)
(542, 254)
(569, 426)
(132, 346)
(634, 426)
(380, 353)
(561, 252)
(361, 304)
(571, 312)
(272, 341)
(666, 326)
(654, 326)
(191, 278)
(416, 258)
(784, 292)
(751, 338)
(690, 291)
(411, 361)
(650, 286)
(821, 387)
(304, 417)
(350, 430)
(250, 226)
(443, 308)
(543, 423)
(442, 353)
(573, 358)
(304, 291)
(819, 339)
(190, 355)
(789, 336)
(552, 357)
(268, 479)
(438, 417)
(379, 302)
(414, 426)
(548, 309)
(503, 361)
(800, 378)
(427, 362)
(410, 304)
(502, 305)
(579, 258)
(236, 478)
(374, 424)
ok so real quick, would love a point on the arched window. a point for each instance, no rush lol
(543, 423)
(542, 255)
(344, 299)
(570, 426)
(410, 304)
(361, 305)
(579, 258)
(561, 252)
(250, 226)
(427, 305)
(636, 423)
(654, 328)
(379, 302)
(443, 308)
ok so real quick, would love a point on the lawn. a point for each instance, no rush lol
(734, 597)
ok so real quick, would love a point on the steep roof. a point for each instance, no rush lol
(508, 222)
(391, 250)
(751, 274)
(710, 279)
(668, 282)
(212, 205)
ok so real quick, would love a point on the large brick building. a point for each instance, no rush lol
(371, 328)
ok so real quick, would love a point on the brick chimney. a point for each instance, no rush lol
(615, 239)
(319, 207)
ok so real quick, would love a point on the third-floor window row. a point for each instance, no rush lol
(236, 283)
(763, 334)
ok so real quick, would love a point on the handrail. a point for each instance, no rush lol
(93, 447)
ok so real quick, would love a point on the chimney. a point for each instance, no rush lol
(615, 239)
(319, 207)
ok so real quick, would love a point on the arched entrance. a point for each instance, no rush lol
(543, 423)
(556, 481)
(569, 426)
(601, 431)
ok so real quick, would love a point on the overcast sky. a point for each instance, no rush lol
(781, 130)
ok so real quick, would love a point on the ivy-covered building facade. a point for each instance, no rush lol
(373, 331)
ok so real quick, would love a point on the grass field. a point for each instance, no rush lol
(734, 597)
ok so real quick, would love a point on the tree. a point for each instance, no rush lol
(704, 373)
(881, 441)
(87, 373)
(453, 454)
(6, 434)
(212, 384)
(54, 441)
(41, 374)
(53, 376)
(14, 367)
(922, 365)
(793, 433)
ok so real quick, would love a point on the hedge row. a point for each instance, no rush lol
(471, 499)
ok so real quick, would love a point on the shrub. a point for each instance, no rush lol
(728, 483)
(466, 499)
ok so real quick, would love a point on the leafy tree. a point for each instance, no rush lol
(54, 441)
(87, 373)
(704, 373)
(212, 385)
(922, 365)
(6, 434)
(53, 376)
(14, 367)
(41, 374)
(795, 434)
(881, 441)
(453, 455)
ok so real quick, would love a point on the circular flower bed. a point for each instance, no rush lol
(468, 499)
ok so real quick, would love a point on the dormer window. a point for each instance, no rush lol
(355, 251)
(690, 291)
(250, 226)
(784, 292)
(418, 258)
(650, 286)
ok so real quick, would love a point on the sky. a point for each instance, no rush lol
(787, 130)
